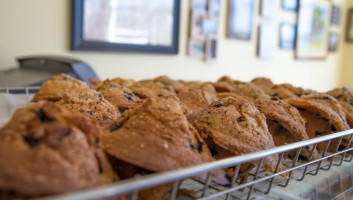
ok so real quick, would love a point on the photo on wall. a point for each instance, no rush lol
(349, 28)
(287, 35)
(240, 19)
(290, 5)
(211, 48)
(335, 15)
(269, 8)
(312, 30)
(267, 40)
(197, 48)
(333, 42)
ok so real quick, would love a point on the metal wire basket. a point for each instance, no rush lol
(260, 184)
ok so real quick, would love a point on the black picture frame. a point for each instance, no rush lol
(287, 32)
(349, 28)
(286, 5)
(78, 43)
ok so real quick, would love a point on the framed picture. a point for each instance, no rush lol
(197, 48)
(240, 19)
(333, 42)
(287, 35)
(349, 29)
(197, 23)
(129, 26)
(199, 5)
(267, 41)
(312, 31)
(290, 5)
(269, 8)
(211, 48)
(335, 15)
(214, 7)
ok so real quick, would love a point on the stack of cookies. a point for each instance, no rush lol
(75, 137)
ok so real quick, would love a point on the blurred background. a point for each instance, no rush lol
(39, 27)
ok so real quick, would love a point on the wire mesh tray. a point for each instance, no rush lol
(261, 184)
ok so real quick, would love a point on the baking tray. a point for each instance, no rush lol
(328, 177)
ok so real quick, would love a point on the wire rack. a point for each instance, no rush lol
(260, 184)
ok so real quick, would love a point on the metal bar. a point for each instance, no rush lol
(323, 155)
(293, 165)
(255, 177)
(234, 178)
(175, 190)
(332, 159)
(344, 155)
(306, 167)
(135, 195)
(207, 183)
(276, 170)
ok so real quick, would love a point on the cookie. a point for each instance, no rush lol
(264, 83)
(285, 124)
(57, 86)
(92, 104)
(250, 91)
(233, 127)
(323, 115)
(47, 150)
(345, 98)
(170, 138)
(149, 88)
(198, 97)
(119, 96)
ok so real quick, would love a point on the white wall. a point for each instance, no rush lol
(43, 27)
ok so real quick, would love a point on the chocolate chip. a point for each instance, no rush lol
(218, 105)
(241, 119)
(42, 116)
(31, 140)
(318, 133)
(199, 146)
(333, 128)
(90, 112)
(259, 109)
(160, 95)
(100, 96)
(65, 78)
(129, 96)
(115, 127)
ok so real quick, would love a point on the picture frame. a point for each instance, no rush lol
(349, 28)
(211, 48)
(267, 40)
(269, 9)
(335, 15)
(197, 23)
(240, 19)
(291, 5)
(287, 35)
(312, 30)
(112, 27)
(214, 8)
(197, 47)
(333, 42)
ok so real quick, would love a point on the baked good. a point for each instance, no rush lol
(250, 91)
(234, 126)
(149, 88)
(323, 115)
(57, 86)
(345, 98)
(92, 104)
(119, 96)
(284, 91)
(225, 84)
(198, 97)
(47, 150)
(171, 139)
(264, 83)
(285, 124)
